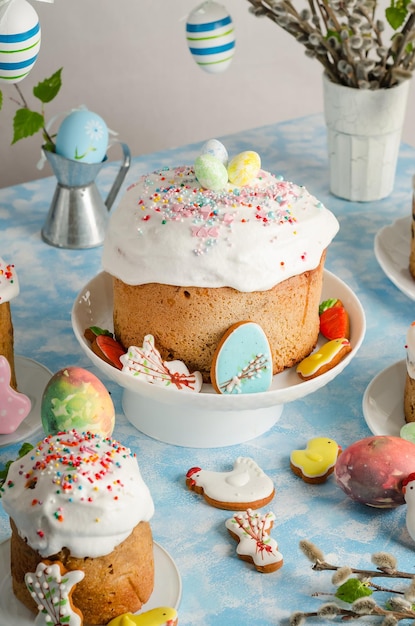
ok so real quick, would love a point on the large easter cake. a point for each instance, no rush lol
(9, 289)
(78, 500)
(191, 255)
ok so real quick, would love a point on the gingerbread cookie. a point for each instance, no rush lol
(14, 406)
(105, 346)
(324, 359)
(245, 486)
(316, 462)
(242, 362)
(252, 532)
(51, 586)
(161, 616)
(334, 319)
(146, 363)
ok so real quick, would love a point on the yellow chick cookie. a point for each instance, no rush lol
(316, 462)
(161, 616)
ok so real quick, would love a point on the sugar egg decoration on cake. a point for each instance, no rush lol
(79, 499)
(188, 262)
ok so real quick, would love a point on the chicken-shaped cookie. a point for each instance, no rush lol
(246, 486)
(316, 462)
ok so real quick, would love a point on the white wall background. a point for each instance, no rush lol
(128, 61)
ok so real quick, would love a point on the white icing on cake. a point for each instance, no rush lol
(169, 230)
(9, 284)
(410, 350)
(78, 491)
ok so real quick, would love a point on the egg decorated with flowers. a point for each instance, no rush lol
(83, 137)
(19, 40)
(211, 37)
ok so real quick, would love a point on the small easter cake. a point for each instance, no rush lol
(9, 289)
(80, 500)
(75, 398)
(196, 249)
(409, 389)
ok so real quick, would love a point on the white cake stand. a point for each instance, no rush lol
(205, 419)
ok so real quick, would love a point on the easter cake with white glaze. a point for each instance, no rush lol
(191, 254)
(9, 289)
(80, 500)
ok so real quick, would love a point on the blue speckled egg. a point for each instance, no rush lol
(19, 40)
(211, 37)
(82, 136)
(216, 149)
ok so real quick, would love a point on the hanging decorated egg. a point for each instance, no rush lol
(216, 149)
(19, 40)
(82, 136)
(211, 37)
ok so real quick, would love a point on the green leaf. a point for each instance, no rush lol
(26, 123)
(48, 89)
(352, 590)
(1, 99)
(395, 16)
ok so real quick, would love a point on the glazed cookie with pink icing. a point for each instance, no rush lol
(245, 486)
(14, 406)
(324, 359)
(252, 532)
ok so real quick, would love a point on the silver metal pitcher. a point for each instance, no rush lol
(78, 215)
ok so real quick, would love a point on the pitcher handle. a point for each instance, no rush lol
(120, 176)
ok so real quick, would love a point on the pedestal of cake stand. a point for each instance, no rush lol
(196, 427)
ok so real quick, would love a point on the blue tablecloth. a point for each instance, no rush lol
(218, 588)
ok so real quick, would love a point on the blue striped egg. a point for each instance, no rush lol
(211, 37)
(19, 40)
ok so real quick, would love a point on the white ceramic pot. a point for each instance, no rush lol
(364, 129)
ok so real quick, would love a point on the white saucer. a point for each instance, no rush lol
(383, 401)
(206, 419)
(167, 588)
(32, 378)
(392, 247)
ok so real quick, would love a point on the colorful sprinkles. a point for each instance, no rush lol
(168, 200)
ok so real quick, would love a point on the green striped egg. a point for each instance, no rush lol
(19, 40)
(211, 37)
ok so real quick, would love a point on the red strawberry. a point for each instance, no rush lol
(108, 349)
(334, 320)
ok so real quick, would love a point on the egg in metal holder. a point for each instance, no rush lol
(82, 137)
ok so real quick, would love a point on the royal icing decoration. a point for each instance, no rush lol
(252, 531)
(317, 459)
(242, 362)
(14, 406)
(245, 485)
(51, 587)
(146, 363)
(324, 356)
(161, 616)
(9, 284)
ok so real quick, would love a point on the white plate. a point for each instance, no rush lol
(383, 401)
(167, 588)
(32, 378)
(94, 305)
(392, 248)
